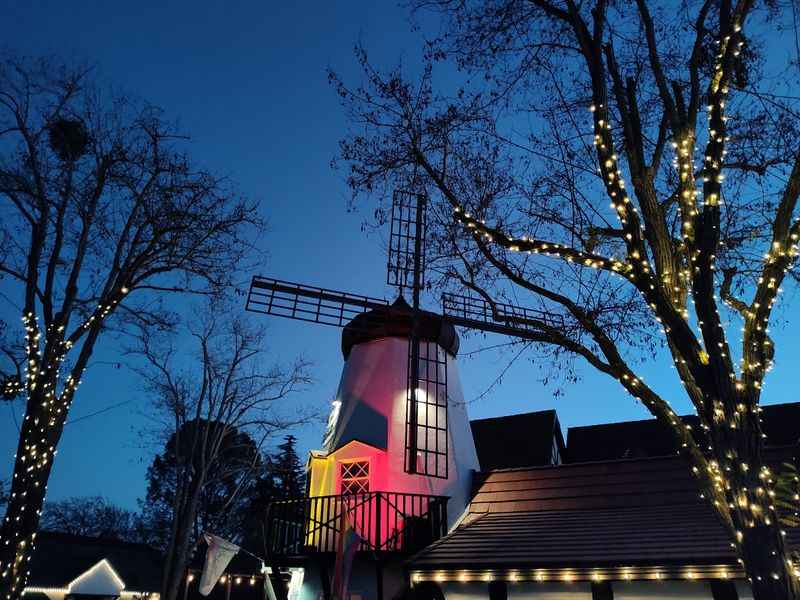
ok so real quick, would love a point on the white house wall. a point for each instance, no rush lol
(635, 590)
(454, 590)
(667, 590)
(549, 591)
(465, 591)
(744, 590)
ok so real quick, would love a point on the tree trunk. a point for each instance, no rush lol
(39, 436)
(178, 562)
(179, 558)
(765, 559)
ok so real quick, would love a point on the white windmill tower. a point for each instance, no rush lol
(398, 453)
(369, 445)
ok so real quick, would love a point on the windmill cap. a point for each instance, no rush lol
(396, 321)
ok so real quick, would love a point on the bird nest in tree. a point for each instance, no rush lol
(68, 139)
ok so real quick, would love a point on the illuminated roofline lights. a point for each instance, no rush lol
(573, 575)
(64, 590)
(97, 565)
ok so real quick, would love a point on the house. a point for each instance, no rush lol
(502, 507)
(619, 528)
(74, 566)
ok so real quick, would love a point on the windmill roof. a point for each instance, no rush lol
(396, 321)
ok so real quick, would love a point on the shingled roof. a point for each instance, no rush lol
(626, 513)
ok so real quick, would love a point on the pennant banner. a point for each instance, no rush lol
(218, 556)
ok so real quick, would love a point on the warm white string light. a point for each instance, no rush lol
(574, 575)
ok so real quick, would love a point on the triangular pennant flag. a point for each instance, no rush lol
(218, 555)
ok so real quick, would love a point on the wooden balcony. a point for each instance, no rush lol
(387, 522)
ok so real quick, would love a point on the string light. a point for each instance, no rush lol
(48, 402)
(571, 575)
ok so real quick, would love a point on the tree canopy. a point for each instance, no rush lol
(92, 516)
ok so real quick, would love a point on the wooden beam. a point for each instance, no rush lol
(724, 589)
(602, 590)
(498, 590)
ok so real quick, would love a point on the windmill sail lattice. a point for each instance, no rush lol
(406, 265)
(498, 317)
(307, 303)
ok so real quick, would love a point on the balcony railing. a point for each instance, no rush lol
(385, 522)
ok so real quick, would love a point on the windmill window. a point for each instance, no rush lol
(355, 477)
(426, 413)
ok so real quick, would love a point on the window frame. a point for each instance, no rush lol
(341, 479)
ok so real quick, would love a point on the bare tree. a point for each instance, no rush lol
(550, 176)
(92, 516)
(213, 408)
(101, 213)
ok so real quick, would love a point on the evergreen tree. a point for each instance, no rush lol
(288, 471)
(283, 476)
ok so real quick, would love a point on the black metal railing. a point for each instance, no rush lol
(385, 522)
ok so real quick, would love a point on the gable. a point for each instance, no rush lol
(100, 580)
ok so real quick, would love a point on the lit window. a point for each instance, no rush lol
(355, 477)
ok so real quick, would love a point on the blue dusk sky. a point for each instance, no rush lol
(248, 81)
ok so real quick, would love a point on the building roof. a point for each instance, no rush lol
(61, 557)
(639, 439)
(522, 440)
(396, 321)
(626, 513)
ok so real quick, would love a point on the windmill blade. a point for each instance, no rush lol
(498, 317)
(307, 303)
(406, 265)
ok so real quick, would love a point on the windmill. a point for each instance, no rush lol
(426, 390)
